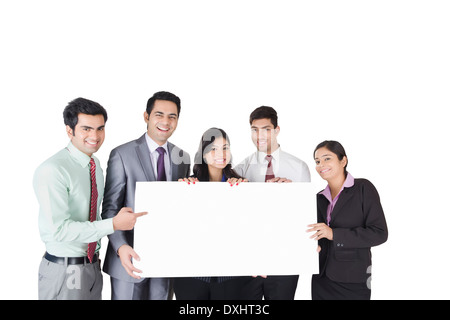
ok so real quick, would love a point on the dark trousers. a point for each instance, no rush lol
(271, 288)
(322, 288)
(196, 289)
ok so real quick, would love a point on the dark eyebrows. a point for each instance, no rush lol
(218, 146)
(90, 128)
(162, 113)
(265, 127)
(325, 155)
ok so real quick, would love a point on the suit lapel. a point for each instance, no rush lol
(322, 204)
(173, 152)
(144, 158)
(345, 195)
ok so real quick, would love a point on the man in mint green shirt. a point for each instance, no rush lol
(62, 185)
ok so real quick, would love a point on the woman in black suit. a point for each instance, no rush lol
(350, 221)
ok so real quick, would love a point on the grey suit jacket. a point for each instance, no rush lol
(127, 164)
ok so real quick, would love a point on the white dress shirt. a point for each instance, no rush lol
(154, 155)
(285, 165)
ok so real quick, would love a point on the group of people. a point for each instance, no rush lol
(70, 187)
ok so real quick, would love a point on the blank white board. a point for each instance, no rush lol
(214, 229)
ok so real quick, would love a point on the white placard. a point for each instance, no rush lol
(213, 229)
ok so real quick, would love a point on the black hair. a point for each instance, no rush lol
(265, 112)
(163, 95)
(81, 105)
(200, 169)
(334, 147)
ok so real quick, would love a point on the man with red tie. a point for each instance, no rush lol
(270, 164)
(69, 188)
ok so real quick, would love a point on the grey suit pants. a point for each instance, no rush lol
(147, 289)
(70, 282)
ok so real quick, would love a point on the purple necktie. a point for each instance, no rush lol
(161, 168)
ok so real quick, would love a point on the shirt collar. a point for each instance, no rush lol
(152, 145)
(348, 183)
(79, 156)
(261, 156)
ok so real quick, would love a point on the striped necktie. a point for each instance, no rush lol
(269, 172)
(93, 210)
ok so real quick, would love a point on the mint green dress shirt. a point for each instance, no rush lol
(62, 185)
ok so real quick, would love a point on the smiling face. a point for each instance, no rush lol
(89, 133)
(328, 165)
(219, 154)
(162, 121)
(264, 135)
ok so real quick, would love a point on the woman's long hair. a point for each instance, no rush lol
(200, 166)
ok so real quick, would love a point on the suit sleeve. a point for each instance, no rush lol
(374, 232)
(113, 201)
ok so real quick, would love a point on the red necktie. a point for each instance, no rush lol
(269, 172)
(93, 212)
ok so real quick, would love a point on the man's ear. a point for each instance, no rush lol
(69, 131)
(277, 130)
(146, 117)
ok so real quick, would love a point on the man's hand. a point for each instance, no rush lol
(125, 254)
(279, 180)
(126, 219)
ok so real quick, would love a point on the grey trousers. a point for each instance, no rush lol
(70, 282)
(147, 289)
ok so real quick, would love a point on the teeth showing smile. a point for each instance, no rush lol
(324, 170)
(92, 143)
(163, 129)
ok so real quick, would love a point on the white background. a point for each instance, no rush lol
(373, 75)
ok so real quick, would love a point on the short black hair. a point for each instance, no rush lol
(81, 105)
(163, 95)
(265, 112)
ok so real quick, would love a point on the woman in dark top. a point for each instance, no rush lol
(212, 163)
(350, 221)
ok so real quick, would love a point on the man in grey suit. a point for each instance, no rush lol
(141, 160)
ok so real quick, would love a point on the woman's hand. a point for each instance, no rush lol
(236, 181)
(189, 180)
(322, 231)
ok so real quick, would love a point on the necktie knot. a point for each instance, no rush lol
(161, 151)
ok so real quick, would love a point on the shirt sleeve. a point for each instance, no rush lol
(52, 191)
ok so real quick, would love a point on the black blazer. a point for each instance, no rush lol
(358, 224)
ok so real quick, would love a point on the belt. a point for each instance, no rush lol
(74, 260)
